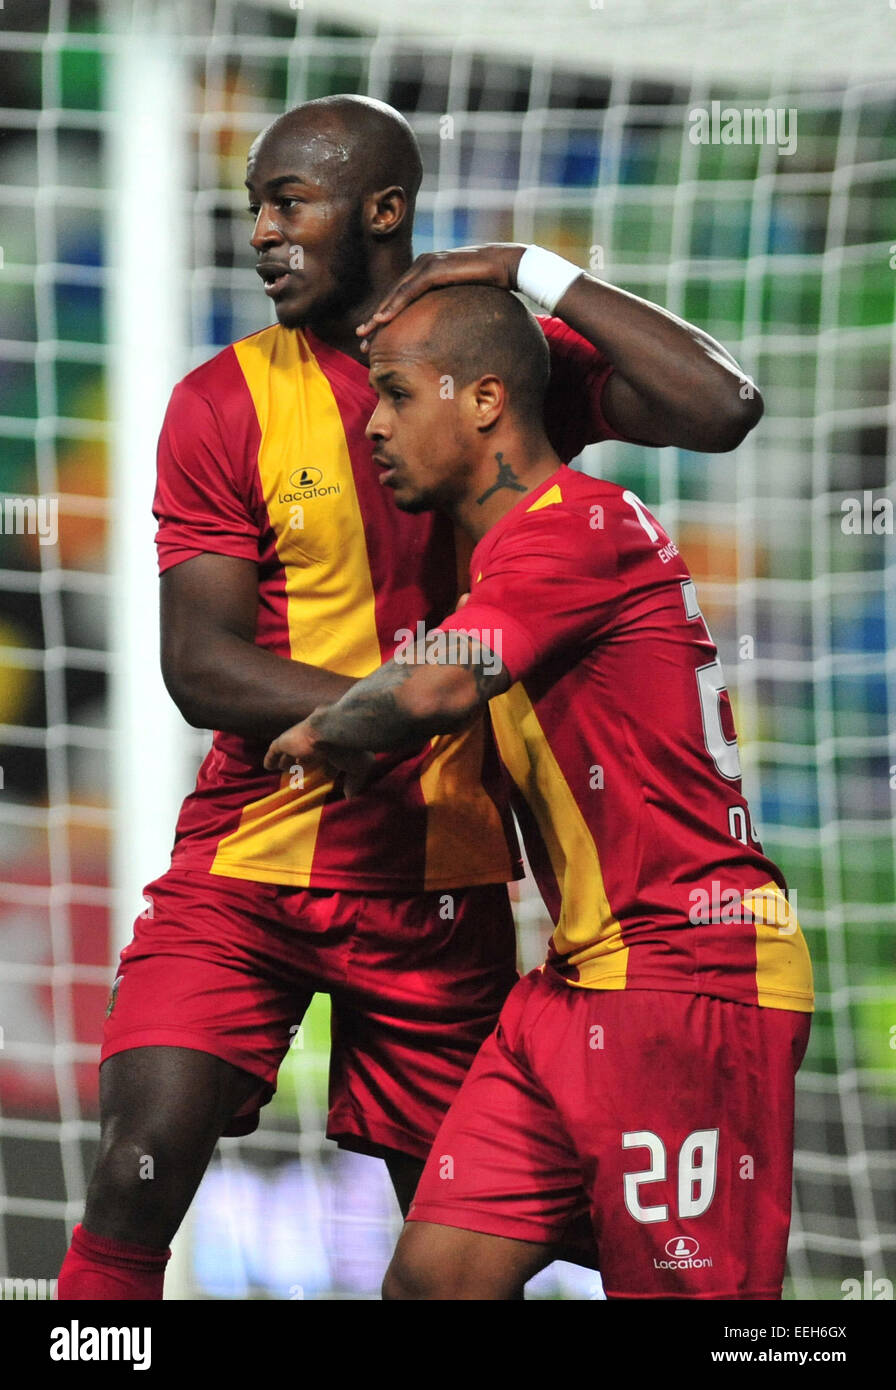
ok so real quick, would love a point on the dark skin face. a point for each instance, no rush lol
(324, 244)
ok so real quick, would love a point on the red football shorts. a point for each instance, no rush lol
(227, 966)
(668, 1117)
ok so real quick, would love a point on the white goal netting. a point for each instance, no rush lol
(777, 235)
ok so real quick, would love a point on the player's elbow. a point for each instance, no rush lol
(190, 707)
(741, 412)
(185, 685)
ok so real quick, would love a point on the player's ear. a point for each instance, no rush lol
(385, 211)
(490, 399)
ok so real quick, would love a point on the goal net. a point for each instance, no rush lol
(733, 163)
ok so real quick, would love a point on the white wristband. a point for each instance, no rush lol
(544, 277)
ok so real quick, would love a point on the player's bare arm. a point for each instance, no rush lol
(673, 383)
(215, 673)
(393, 708)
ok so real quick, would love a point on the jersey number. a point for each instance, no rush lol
(710, 678)
(696, 1178)
(710, 685)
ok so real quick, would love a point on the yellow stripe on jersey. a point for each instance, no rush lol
(783, 967)
(587, 932)
(330, 600)
(329, 591)
(459, 811)
(547, 499)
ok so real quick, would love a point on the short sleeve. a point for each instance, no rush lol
(550, 583)
(574, 411)
(198, 503)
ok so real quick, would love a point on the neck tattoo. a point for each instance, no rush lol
(506, 478)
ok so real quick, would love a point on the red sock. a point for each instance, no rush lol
(98, 1268)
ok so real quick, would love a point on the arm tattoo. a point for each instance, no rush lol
(368, 715)
(506, 478)
(489, 682)
(372, 716)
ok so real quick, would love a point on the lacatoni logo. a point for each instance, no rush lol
(309, 483)
(77, 1343)
(683, 1252)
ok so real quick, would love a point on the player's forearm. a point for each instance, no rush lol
(396, 707)
(684, 388)
(240, 688)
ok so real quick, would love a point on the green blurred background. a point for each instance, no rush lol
(787, 259)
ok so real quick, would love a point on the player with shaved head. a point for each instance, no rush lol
(288, 574)
(351, 207)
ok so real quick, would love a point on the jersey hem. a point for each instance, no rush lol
(485, 1223)
(193, 1042)
(379, 1141)
(178, 555)
(517, 655)
(795, 1002)
(361, 882)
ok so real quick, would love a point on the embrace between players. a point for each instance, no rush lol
(630, 1104)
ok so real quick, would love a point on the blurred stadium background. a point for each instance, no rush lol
(125, 261)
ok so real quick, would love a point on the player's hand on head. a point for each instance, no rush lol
(493, 264)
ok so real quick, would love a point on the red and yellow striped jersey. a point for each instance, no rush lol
(619, 740)
(263, 457)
